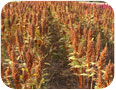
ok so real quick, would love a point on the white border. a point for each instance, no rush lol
(112, 3)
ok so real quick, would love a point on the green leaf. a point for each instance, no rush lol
(103, 71)
(84, 74)
(42, 81)
(21, 76)
(70, 46)
(26, 41)
(73, 53)
(47, 63)
(89, 70)
(92, 74)
(76, 74)
(92, 63)
(46, 74)
(10, 62)
(18, 58)
(72, 58)
(73, 63)
(76, 66)
(61, 39)
(24, 64)
(7, 60)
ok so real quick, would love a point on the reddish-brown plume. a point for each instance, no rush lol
(19, 40)
(73, 35)
(13, 55)
(102, 58)
(2, 70)
(90, 34)
(90, 48)
(80, 50)
(38, 72)
(29, 61)
(99, 79)
(16, 77)
(24, 75)
(9, 48)
(79, 31)
(8, 72)
(85, 32)
(98, 45)
(31, 31)
(109, 73)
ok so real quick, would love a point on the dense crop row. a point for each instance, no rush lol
(37, 37)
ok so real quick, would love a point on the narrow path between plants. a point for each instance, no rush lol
(60, 75)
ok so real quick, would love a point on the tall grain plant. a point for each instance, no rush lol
(38, 35)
